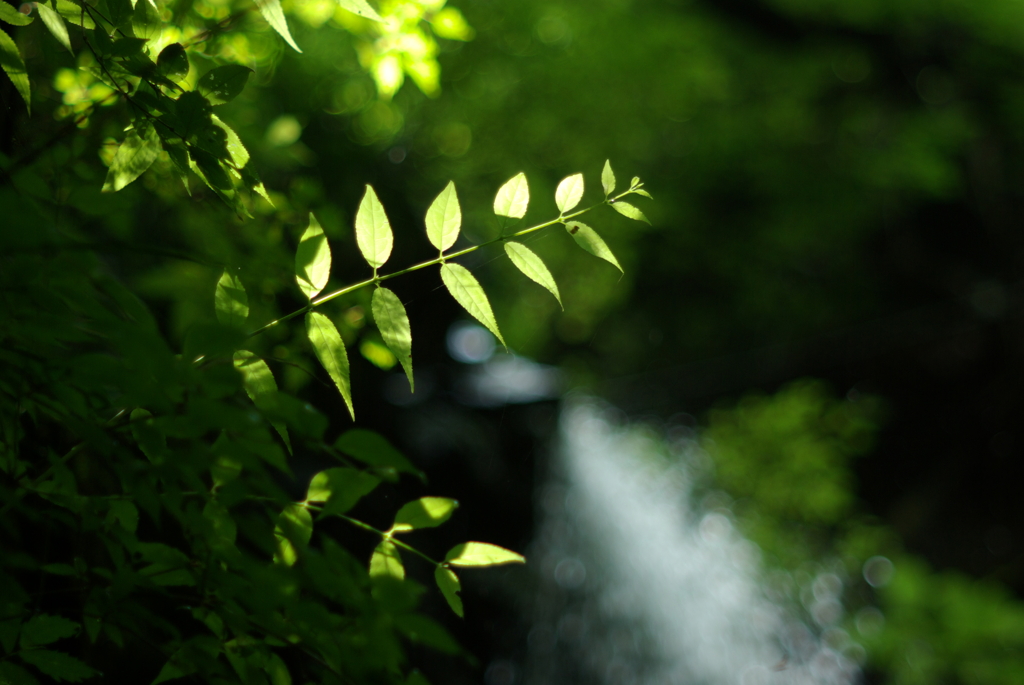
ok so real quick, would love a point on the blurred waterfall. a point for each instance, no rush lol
(638, 584)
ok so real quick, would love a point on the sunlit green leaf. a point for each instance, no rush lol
(42, 629)
(393, 322)
(482, 554)
(14, 66)
(527, 261)
(589, 240)
(135, 155)
(371, 448)
(293, 532)
(641, 191)
(340, 488)
(468, 292)
(10, 15)
(146, 23)
(373, 230)
(628, 210)
(57, 665)
(330, 350)
(450, 587)
(608, 178)
(271, 11)
(260, 386)
(569, 192)
(444, 218)
(385, 561)
(513, 198)
(230, 301)
(151, 441)
(237, 153)
(313, 260)
(223, 84)
(360, 7)
(55, 23)
(425, 512)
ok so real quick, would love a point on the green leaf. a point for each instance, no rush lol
(14, 66)
(608, 178)
(531, 265)
(589, 240)
(393, 322)
(468, 292)
(513, 198)
(55, 23)
(127, 47)
(293, 532)
(373, 230)
(569, 192)
(426, 512)
(260, 386)
(450, 587)
(42, 629)
(74, 14)
(312, 260)
(482, 554)
(444, 218)
(222, 530)
(232, 144)
(124, 514)
(330, 350)
(57, 665)
(628, 210)
(419, 628)
(10, 15)
(277, 670)
(340, 488)
(385, 562)
(146, 23)
(223, 84)
(135, 155)
(362, 8)
(151, 441)
(416, 678)
(12, 674)
(640, 191)
(173, 60)
(230, 301)
(181, 662)
(193, 113)
(371, 448)
(271, 11)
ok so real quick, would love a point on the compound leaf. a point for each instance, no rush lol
(293, 532)
(444, 218)
(569, 192)
(13, 17)
(14, 66)
(527, 261)
(393, 322)
(513, 198)
(55, 23)
(608, 178)
(271, 11)
(340, 488)
(386, 562)
(482, 554)
(425, 512)
(312, 260)
(230, 301)
(371, 448)
(57, 665)
(42, 629)
(135, 155)
(373, 230)
(468, 292)
(260, 386)
(222, 84)
(628, 210)
(330, 350)
(589, 240)
(450, 587)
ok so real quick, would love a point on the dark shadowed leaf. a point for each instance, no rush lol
(293, 531)
(260, 386)
(14, 66)
(230, 301)
(223, 84)
(450, 587)
(42, 629)
(57, 665)
(172, 61)
(372, 449)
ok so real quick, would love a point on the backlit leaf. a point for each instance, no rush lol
(569, 192)
(589, 240)
(362, 8)
(426, 512)
(10, 15)
(450, 587)
(482, 554)
(340, 488)
(513, 198)
(444, 218)
(468, 292)
(42, 629)
(260, 386)
(393, 322)
(222, 84)
(230, 301)
(330, 350)
(385, 561)
(55, 23)
(14, 66)
(271, 11)
(608, 178)
(135, 155)
(373, 449)
(373, 230)
(57, 665)
(146, 23)
(313, 260)
(527, 261)
(628, 210)
(293, 532)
